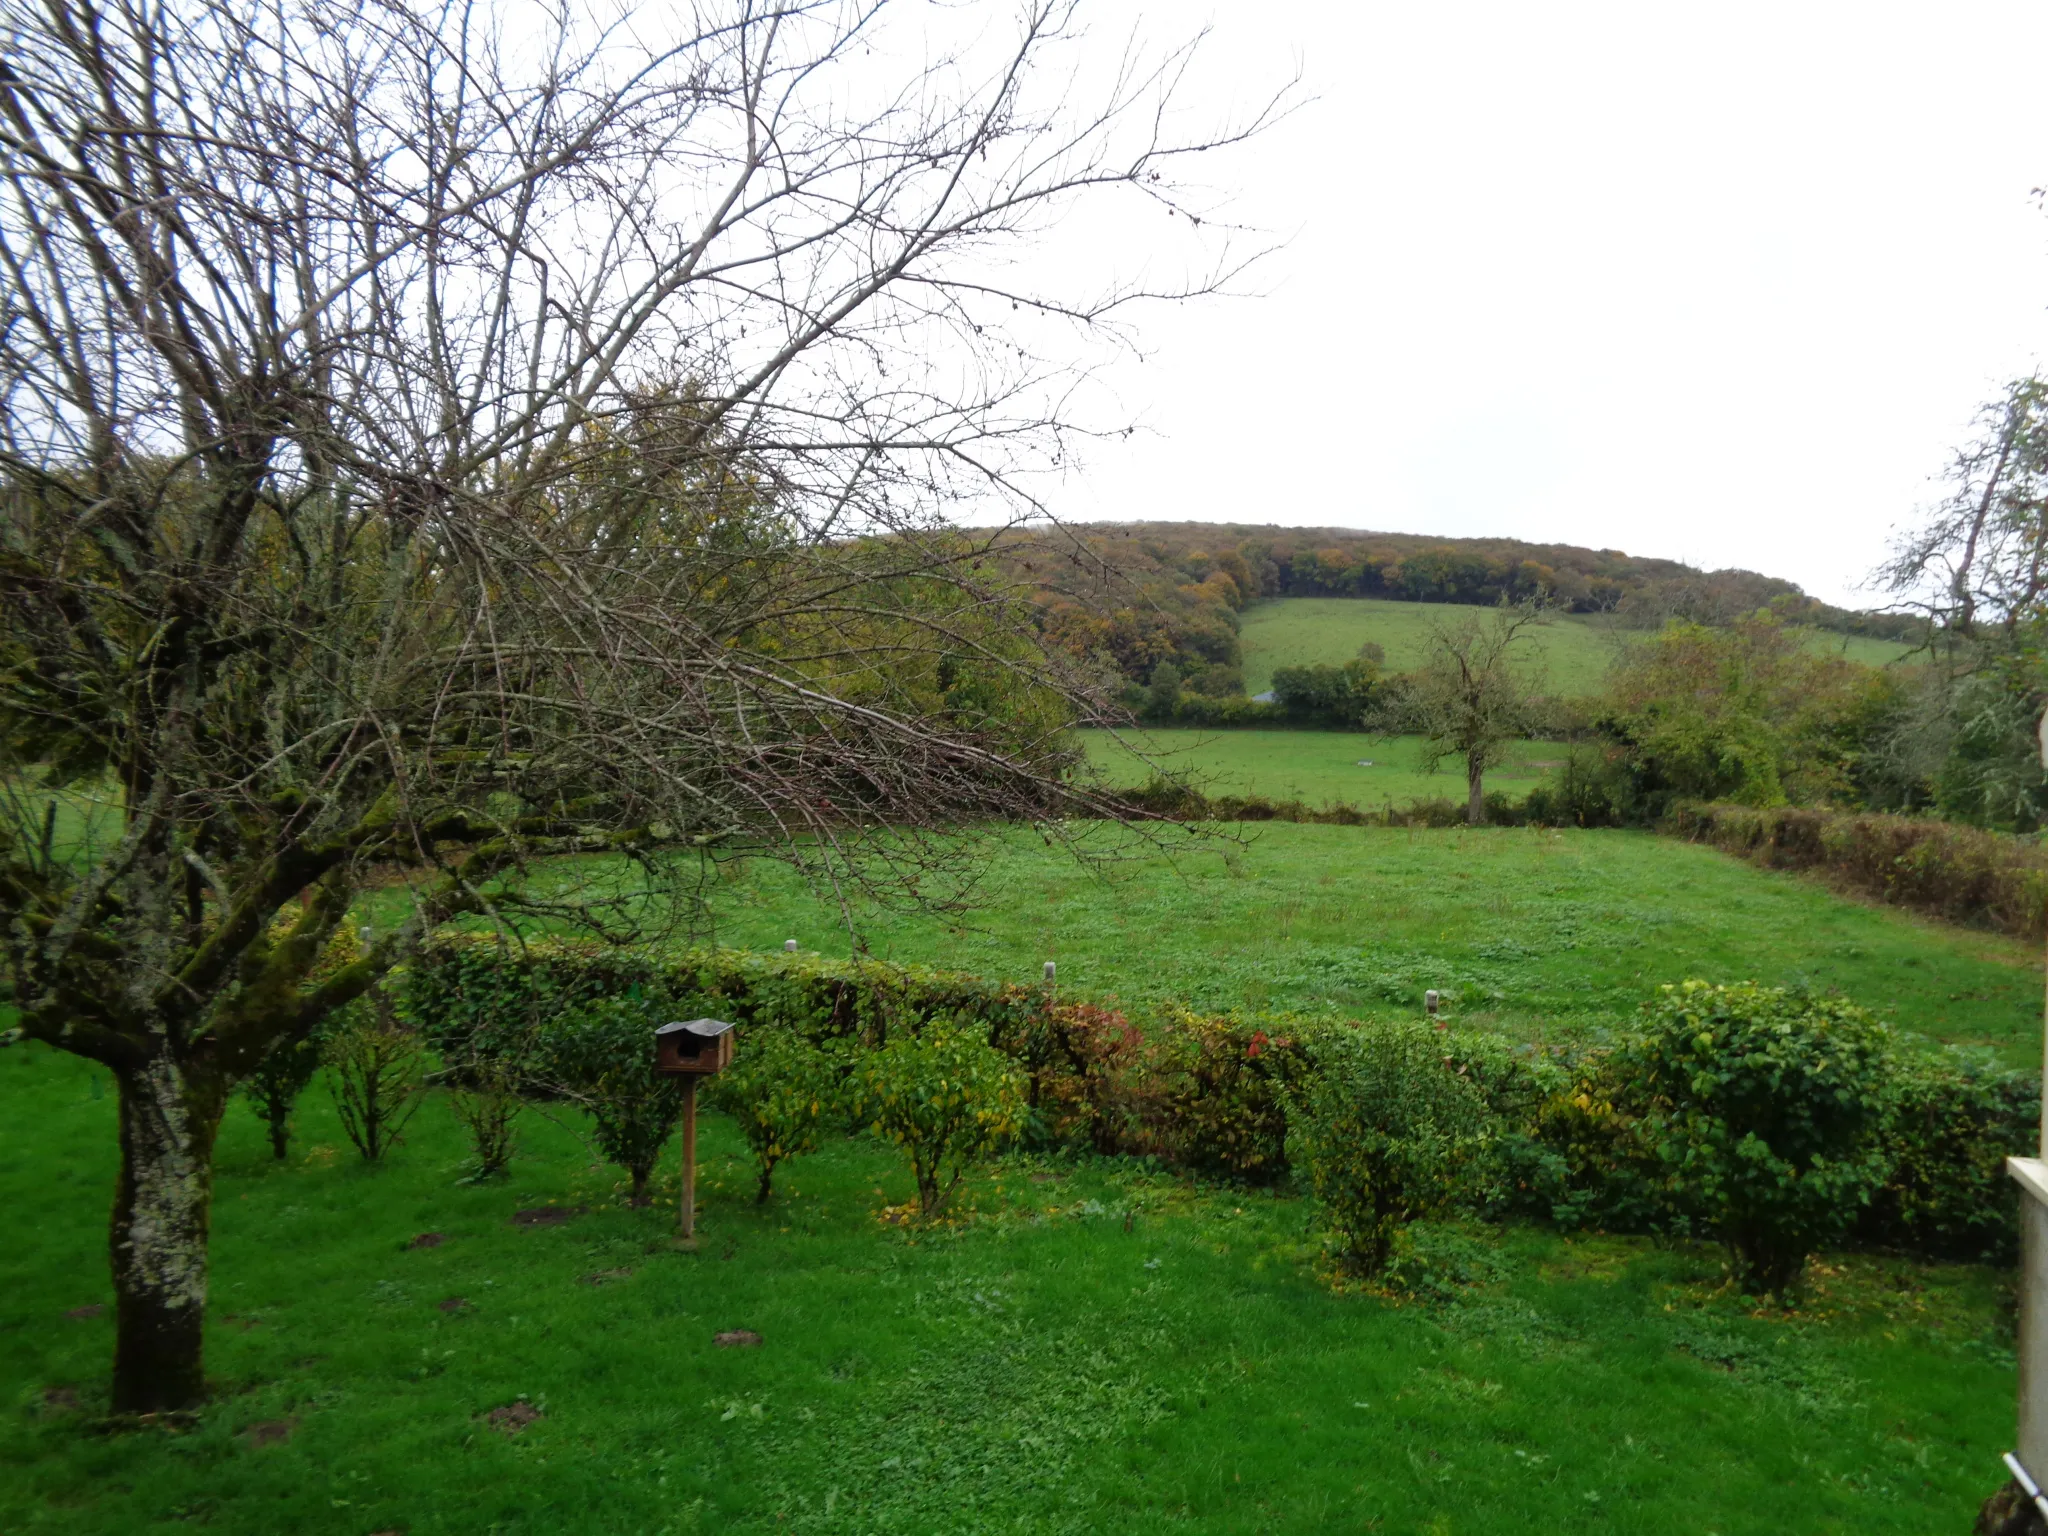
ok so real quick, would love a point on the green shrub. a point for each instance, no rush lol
(1207, 1093)
(600, 1056)
(1386, 1130)
(486, 1099)
(1955, 1117)
(946, 1097)
(286, 1070)
(783, 1091)
(1595, 1167)
(273, 1089)
(1582, 792)
(1766, 1108)
(1520, 1175)
(1220, 1083)
(376, 1072)
(1091, 1085)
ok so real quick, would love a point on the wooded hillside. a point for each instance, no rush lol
(1147, 594)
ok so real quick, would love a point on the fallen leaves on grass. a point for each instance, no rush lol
(606, 1276)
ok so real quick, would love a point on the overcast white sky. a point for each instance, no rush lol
(1723, 283)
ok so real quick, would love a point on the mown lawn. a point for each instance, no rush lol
(1320, 767)
(1098, 1348)
(1577, 650)
(1536, 932)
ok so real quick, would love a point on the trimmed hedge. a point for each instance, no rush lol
(1209, 1093)
(1171, 800)
(1570, 802)
(1990, 879)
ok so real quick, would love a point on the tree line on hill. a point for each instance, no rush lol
(1742, 710)
(1152, 595)
(1720, 699)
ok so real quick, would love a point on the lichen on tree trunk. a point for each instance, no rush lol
(162, 1205)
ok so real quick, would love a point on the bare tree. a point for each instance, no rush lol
(1977, 569)
(437, 437)
(1978, 566)
(1474, 693)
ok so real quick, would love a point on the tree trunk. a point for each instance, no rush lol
(1475, 793)
(280, 1136)
(641, 1173)
(162, 1205)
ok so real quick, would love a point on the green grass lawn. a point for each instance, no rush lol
(1098, 1349)
(1577, 649)
(1535, 932)
(1321, 767)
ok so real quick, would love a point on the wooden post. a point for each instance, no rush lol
(687, 1216)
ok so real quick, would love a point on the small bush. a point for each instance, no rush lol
(946, 1097)
(1519, 1176)
(783, 1091)
(1089, 1083)
(1956, 1116)
(287, 1069)
(1583, 792)
(486, 1101)
(1766, 1108)
(1386, 1130)
(600, 1056)
(273, 1089)
(377, 1072)
(1220, 1103)
(1595, 1166)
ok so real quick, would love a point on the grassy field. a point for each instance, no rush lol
(1096, 1349)
(1535, 932)
(1577, 650)
(1320, 767)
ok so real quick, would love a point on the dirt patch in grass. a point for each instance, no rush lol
(270, 1432)
(606, 1276)
(90, 1309)
(428, 1240)
(736, 1338)
(456, 1304)
(513, 1417)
